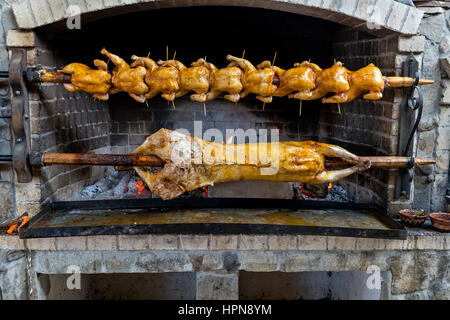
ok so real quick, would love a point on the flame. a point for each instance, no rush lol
(140, 187)
(330, 185)
(206, 191)
(11, 229)
(25, 219)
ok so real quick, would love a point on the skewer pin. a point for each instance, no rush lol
(300, 109)
(264, 104)
(146, 102)
(243, 54)
(173, 105)
(274, 57)
(148, 54)
(204, 108)
(339, 108)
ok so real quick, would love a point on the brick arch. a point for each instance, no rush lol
(375, 16)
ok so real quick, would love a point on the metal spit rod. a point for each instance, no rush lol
(125, 161)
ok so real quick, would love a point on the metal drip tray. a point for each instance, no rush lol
(212, 216)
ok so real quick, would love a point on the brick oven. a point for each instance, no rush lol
(224, 265)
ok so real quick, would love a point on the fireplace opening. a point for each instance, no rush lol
(74, 122)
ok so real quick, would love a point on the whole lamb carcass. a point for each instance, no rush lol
(191, 162)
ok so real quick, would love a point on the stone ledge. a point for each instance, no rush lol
(432, 241)
(252, 261)
(20, 39)
(411, 44)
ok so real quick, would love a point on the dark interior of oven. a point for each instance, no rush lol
(74, 122)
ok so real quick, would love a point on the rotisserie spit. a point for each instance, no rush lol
(190, 162)
(145, 78)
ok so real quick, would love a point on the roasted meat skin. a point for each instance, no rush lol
(191, 162)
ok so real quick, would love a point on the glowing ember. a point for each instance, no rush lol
(306, 193)
(140, 187)
(206, 191)
(25, 219)
(330, 185)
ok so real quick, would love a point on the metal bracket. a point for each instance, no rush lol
(407, 130)
(20, 114)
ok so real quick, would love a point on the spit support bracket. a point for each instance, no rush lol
(412, 101)
(20, 115)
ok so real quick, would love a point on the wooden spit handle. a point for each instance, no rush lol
(55, 77)
(398, 82)
(379, 162)
(127, 161)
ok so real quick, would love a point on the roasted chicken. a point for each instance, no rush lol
(165, 79)
(346, 85)
(191, 163)
(83, 78)
(144, 79)
(126, 78)
(195, 78)
(255, 80)
(226, 80)
(301, 78)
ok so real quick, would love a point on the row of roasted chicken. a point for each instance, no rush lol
(144, 78)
